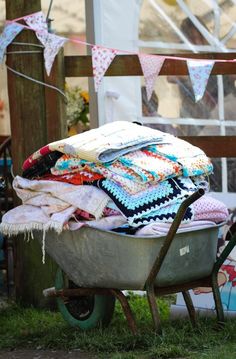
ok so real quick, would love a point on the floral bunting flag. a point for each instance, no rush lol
(151, 66)
(37, 22)
(9, 33)
(52, 44)
(199, 72)
(101, 59)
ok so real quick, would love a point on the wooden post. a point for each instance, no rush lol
(37, 117)
(90, 35)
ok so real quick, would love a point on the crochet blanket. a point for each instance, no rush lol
(209, 208)
(143, 166)
(192, 159)
(138, 166)
(103, 144)
(158, 202)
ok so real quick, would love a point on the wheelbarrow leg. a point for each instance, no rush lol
(218, 302)
(190, 307)
(126, 309)
(154, 309)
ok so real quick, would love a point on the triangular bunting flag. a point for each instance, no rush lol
(199, 72)
(101, 59)
(151, 66)
(52, 44)
(37, 22)
(10, 31)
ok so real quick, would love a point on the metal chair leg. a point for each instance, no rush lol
(190, 307)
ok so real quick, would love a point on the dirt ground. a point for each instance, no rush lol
(44, 354)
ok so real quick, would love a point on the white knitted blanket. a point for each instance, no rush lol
(106, 143)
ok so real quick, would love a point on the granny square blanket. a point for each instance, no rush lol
(159, 201)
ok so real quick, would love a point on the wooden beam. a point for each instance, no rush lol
(214, 146)
(129, 65)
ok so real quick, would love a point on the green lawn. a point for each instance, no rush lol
(31, 328)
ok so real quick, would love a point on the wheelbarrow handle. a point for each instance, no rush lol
(231, 237)
(170, 235)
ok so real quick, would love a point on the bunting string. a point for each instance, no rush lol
(37, 81)
(102, 57)
(119, 51)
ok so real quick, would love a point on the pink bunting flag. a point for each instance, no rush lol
(10, 31)
(151, 66)
(52, 43)
(101, 59)
(199, 72)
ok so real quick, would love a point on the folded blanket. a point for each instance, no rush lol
(105, 143)
(26, 218)
(55, 196)
(137, 166)
(161, 229)
(193, 160)
(159, 201)
(209, 208)
(43, 166)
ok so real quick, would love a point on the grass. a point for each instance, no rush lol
(32, 328)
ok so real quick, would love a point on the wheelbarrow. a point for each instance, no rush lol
(97, 265)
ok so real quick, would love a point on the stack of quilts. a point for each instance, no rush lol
(121, 176)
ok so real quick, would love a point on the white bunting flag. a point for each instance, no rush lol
(10, 31)
(52, 43)
(37, 22)
(199, 72)
(101, 59)
(151, 66)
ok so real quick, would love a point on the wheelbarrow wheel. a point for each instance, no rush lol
(85, 312)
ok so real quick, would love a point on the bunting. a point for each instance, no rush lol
(52, 43)
(9, 33)
(199, 72)
(37, 22)
(101, 59)
(151, 66)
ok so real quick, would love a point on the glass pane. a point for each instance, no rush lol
(188, 106)
(231, 167)
(216, 177)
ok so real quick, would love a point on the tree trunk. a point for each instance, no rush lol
(37, 117)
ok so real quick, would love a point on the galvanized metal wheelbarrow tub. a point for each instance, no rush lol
(99, 264)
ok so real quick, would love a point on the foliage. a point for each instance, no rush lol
(77, 107)
(32, 328)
